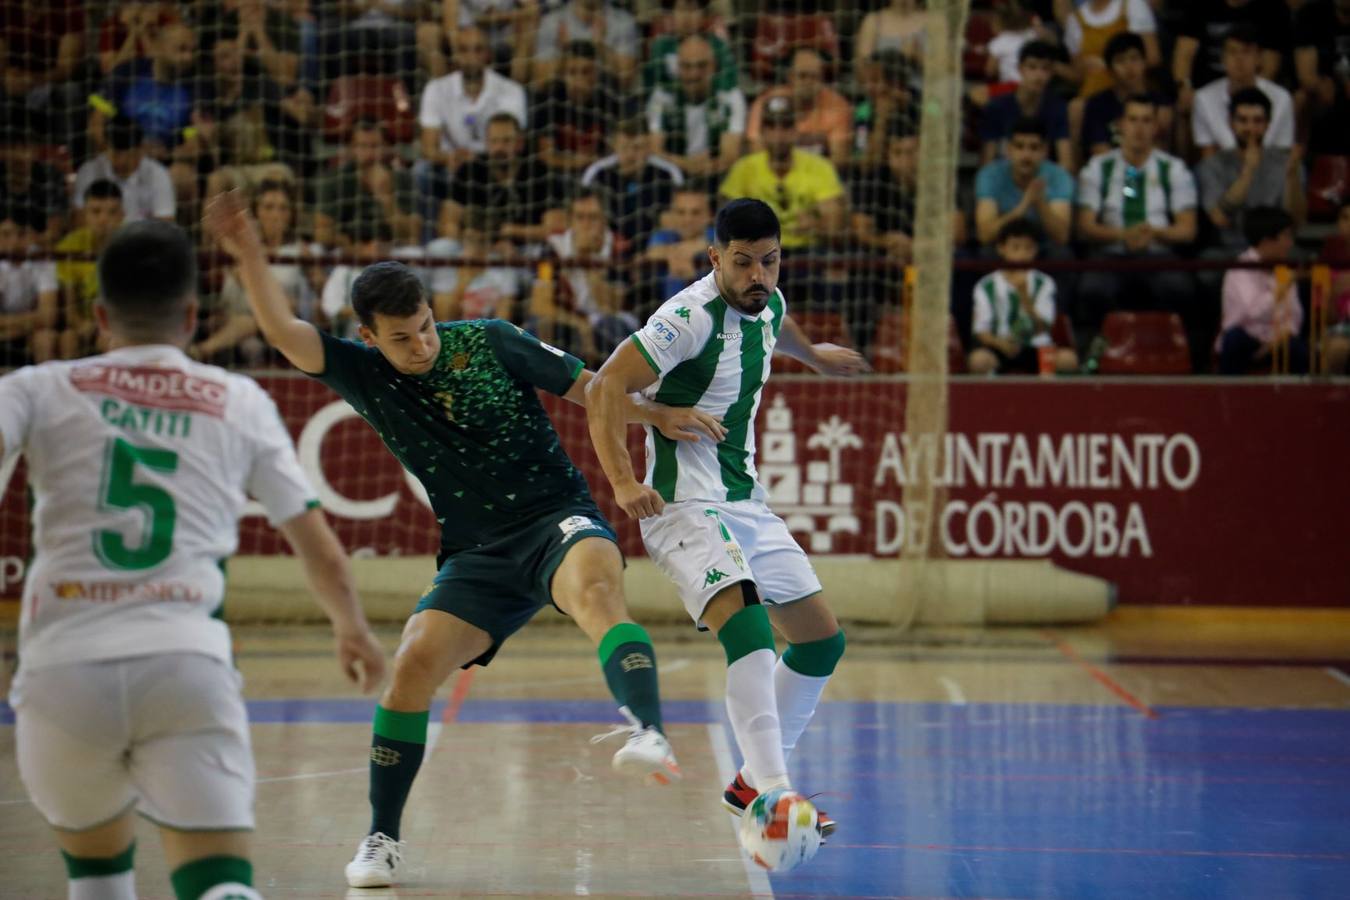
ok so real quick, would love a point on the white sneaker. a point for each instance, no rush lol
(646, 754)
(376, 862)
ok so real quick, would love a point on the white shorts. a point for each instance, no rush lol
(704, 547)
(166, 734)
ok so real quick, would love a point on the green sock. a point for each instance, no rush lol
(629, 661)
(193, 879)
(100, 866)
(396, 751)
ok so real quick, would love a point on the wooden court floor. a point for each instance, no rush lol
(1167, 754)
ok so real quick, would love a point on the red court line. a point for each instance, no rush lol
(1106, 680)
(458, 695)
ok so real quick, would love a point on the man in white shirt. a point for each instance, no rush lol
(1241, 63)
(456, 108)
(1135, 202)
(613, 31)
(147, 189)
(127, 697)
(28, 295)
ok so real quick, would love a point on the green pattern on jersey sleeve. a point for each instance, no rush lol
(531, 360)
(347, 368)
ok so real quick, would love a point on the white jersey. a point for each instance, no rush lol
(715, 359)
(1001, 311)
(140, 460)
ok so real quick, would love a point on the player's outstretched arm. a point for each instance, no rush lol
(607, 416)
(675, 422)
(827, 359)
(228, 221)
(329, 574)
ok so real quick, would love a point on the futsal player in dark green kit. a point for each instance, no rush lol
(456, 404)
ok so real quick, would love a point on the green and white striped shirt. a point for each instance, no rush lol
(708, 356)
(1123, 196)
(1002, 312)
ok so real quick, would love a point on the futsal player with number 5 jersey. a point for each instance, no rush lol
(126, 697)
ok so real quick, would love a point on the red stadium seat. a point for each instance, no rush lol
(1328, 186)
(1062, 332)
(979, 32)
(776, 36)
(1144, 344)
(379, 97)
(889, 353)
(820, 327)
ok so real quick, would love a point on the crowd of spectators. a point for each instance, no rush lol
(558, 162)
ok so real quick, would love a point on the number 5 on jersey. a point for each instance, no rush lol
(121, 491)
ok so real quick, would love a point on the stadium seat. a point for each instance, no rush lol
(889, 350)
(1062, 332)
(379, 97)
(776, 36)
(1152, 343)
(979, 32)
(819, 327)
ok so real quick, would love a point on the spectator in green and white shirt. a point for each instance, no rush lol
(697, 127)
(1135, 202)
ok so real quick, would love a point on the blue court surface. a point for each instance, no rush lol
(1032, 800)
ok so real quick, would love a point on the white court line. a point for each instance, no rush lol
(1338, 675)
(954, 693)
(308, 775)
(726, 768)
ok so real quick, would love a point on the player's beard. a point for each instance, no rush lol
(750, 302)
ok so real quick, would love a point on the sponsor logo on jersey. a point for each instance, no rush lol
(153, 386)
(683, 313)
(113, 591)
(729, 335)
(662, 333)
(713, 576)
(573, 524)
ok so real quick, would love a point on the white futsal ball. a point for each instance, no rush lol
(780, 830)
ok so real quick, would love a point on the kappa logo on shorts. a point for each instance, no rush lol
(385, 756)
(573, 524)
(713, 576)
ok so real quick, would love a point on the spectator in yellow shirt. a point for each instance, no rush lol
(803, 188)
(77, 280)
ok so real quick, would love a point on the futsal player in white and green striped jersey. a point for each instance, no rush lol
(701, 507)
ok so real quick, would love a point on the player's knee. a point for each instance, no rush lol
(982, 362)
(418, 670)
(817, 659)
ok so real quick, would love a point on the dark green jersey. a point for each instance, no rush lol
(472, 430)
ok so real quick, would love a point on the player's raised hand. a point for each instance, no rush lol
(361, 657)
(688, 424)
(227, 219)
(638, 500)
(831, 359)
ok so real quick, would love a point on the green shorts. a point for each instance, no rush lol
(500, 586)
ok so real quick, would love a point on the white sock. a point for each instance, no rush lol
(754, 718)
(231, 891)
(797, 696)
(121, 886)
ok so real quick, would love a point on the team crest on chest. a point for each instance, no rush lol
(459, 362)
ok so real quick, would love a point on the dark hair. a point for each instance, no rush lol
(1140, 100)
(580, 49)
(1262, 223)
(1029, 125)
(1037, 50)
(1121, 44)
(504, 116)
(102, 189)
(631, 127)
(746, 219)
(1019, 228)
(23, 215)
(1252, 96)
(147, 274)
(124, 134)
(1244, 33)
(388, 288)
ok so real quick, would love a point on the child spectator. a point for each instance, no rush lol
(1253, 317)
(28, 301)
(1015, 310)
(77, 280)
